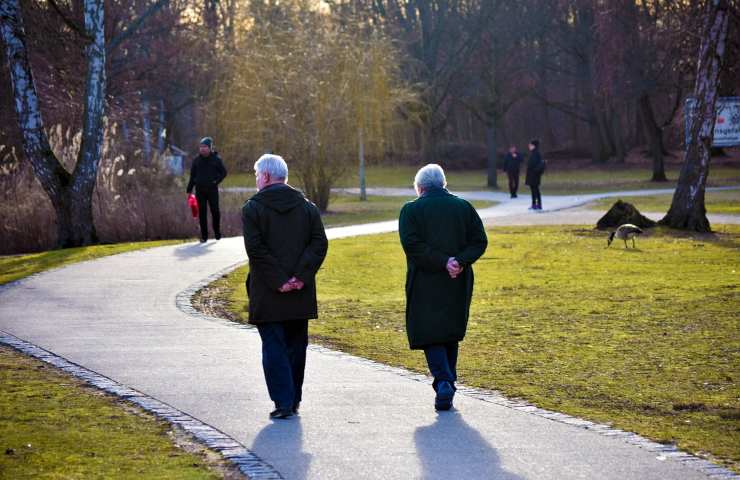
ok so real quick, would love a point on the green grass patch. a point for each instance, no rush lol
(555, 181)
(349, 210)
(14, 267)
(644, 339)
(722, 202)
(52, 426)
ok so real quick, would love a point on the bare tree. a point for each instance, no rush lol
(70, 193)
(687, 208)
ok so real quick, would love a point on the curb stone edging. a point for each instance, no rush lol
(232, 451)
(664, 452)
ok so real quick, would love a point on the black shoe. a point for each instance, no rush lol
(515, 196)
(445, 393)
(203, 240)
(281, 413)
(218, 236)
(296, 407)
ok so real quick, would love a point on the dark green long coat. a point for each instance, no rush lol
(433, 228)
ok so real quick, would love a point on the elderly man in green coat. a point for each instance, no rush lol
(442, 236)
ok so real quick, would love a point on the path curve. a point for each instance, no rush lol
(118, 316)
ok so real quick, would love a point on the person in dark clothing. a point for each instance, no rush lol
(286, 245)
(535, 169)
(206, 173)
(512, 164)
(442, 236)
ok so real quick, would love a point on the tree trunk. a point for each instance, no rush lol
(619, 148)
(654, 135)
(361, 155)
(70, 194)
(687, 208)
(492, 180)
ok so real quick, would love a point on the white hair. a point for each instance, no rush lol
(274, 165)
(430, 176)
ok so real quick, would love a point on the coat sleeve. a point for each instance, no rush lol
(261, 260)
(476, 241)
(221, 171)
(417, 250)
(193, 173)
(315, 253)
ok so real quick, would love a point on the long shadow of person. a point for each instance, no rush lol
(281, 445)
(450, 448)
(186, 252)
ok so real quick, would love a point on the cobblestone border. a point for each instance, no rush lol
(664, 452)
(234, 452)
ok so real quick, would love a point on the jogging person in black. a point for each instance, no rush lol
(206, 173)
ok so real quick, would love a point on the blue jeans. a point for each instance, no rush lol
(442, 361)
(284, 360)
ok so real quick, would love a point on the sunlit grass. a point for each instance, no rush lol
(555, 180)
(722, 202)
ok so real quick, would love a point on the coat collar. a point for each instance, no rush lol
(435, 192)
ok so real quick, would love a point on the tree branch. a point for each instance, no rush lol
(135, 25)
(69, 22)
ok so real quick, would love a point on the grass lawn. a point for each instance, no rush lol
(14, 267)
(723, 202)
(349, 210)
(645, 339)
(555, 181)
(52, 426)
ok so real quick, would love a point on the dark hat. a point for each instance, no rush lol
(536, 143)
(207, 141)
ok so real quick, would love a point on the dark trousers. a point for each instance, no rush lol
(205, 198)
(536, 196)
(513, 182)
(284, 360)
(442, 361)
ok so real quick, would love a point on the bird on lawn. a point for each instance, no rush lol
(625, 232)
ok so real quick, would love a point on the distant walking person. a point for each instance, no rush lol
(286, 245)
(206, 173)
(535, 169)
(442, 236)
(512, 164)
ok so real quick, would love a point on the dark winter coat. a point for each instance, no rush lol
(512, 164)
(535, 169)
(433, 228)
(206, 172)
(284, 238)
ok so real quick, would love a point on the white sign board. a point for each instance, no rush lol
(726, 125)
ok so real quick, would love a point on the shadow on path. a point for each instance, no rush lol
(186, 252)
(450, 448)
(283, 439)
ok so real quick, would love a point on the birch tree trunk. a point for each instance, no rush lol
(687, 208)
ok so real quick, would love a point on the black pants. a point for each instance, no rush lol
(513, 182)
(208, 197)
(284, 360)
(442, 361)
(536, 196)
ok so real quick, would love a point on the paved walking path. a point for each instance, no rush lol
(118, 316)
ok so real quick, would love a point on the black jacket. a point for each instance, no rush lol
(535, 168)
(511, 163)
(206, 172)
(284, 237)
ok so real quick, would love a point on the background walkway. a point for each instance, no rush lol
(118, 316)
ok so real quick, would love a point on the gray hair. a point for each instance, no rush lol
(274, 165)
(430, 176)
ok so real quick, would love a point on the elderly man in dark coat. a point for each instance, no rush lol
(512, 163)
(442, 236)
(535, 169)
(286, 244)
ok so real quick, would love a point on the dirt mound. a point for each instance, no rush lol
(621, 213)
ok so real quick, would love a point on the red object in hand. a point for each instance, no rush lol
(193, 204)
